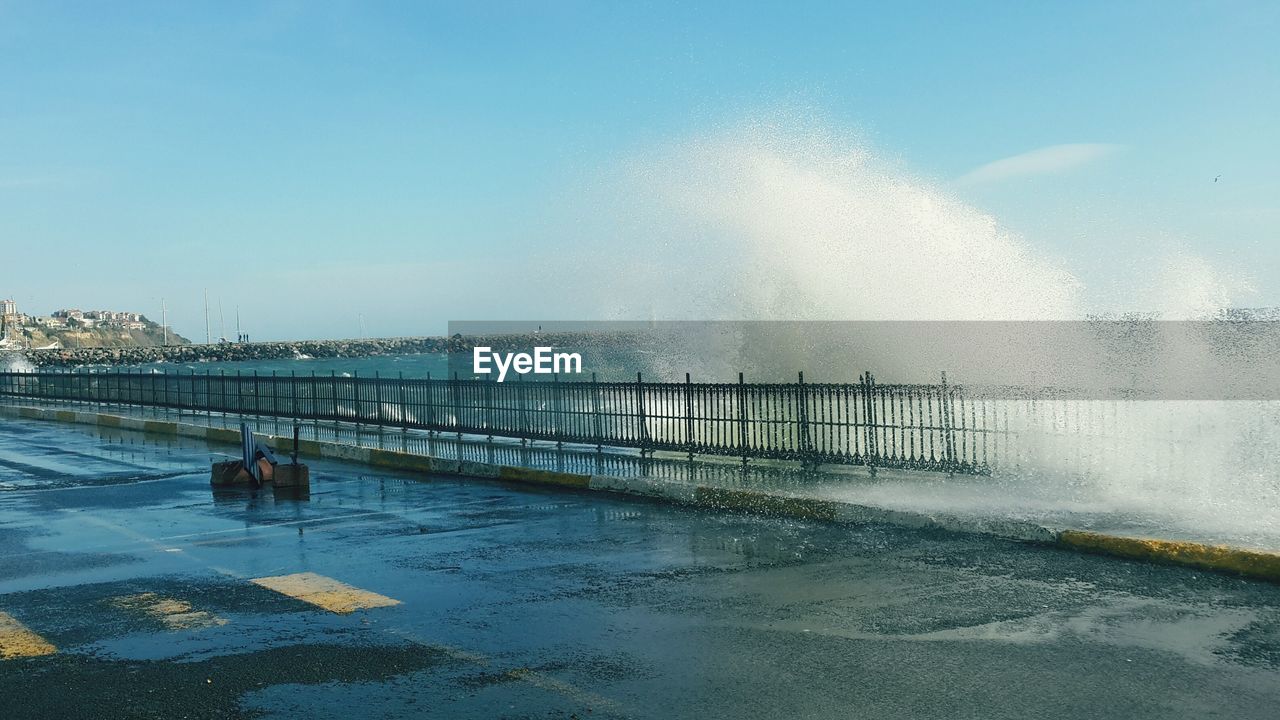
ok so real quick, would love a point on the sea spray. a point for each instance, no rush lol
(13, 361)
(785, 219)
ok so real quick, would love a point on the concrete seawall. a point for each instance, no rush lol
(1237, 561)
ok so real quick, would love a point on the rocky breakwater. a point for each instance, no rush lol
(228, 352)
(287, 350)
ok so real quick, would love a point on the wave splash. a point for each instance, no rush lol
(788, 220)
(777, 220)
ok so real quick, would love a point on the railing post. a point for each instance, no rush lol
(556, 395)
(522, 401)
(431, 404)
(489, 386)
(802, 407)
(355, 393)
(643, 435)
(333, 392)
(688, 414)
(743, 433)
(869, 417)
(948, 426)
(401, 404)
(595, 414)
(457, 405)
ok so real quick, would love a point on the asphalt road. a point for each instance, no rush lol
(128, 589)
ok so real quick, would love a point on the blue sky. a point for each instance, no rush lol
(315, 162)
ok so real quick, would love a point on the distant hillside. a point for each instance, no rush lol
(151, 335)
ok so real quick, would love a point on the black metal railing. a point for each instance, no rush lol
(936, 427)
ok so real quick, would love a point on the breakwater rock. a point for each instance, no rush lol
(230, 352)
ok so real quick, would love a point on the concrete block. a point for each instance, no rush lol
(292, 476)
(228, 473)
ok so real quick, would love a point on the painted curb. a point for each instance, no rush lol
(668, 490)
(1219, 558)
(543, 477)
(395, 459)
(1222, 558)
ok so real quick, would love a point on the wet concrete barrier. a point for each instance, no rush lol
(1237, 561)
(766, 503)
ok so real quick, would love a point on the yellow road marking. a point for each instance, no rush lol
(17, 641)
(324, 592)
(311, 584)
(175, 614)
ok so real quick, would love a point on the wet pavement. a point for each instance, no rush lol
(128, 589)
(1206, 511)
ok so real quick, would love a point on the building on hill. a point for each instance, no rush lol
(10, 320)
(100, 318)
